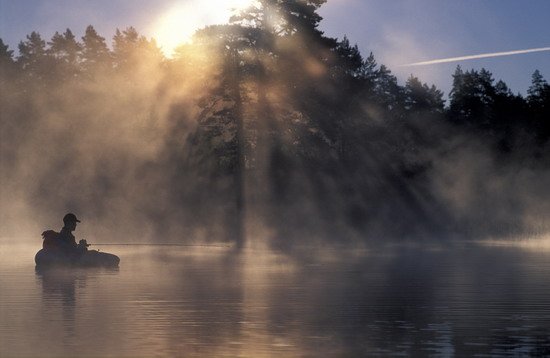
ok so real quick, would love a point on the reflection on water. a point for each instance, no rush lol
(401, 301)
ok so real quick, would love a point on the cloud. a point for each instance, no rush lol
(475, 57)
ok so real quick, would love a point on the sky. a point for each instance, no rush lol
(398, 32)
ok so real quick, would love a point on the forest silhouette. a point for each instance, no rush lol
(264, 128)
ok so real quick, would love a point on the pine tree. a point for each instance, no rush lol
(33, 57)
(487, 90)
(348, 61)
(96, 56)
(132, 51)
(282, 17)
(502, 90)
(387, 92)
(536, 91)
(539, 104)
(420, 97)
(66, 52)
(457, 93)
(369, 69)
(7, 62)
(472, 97)
(6, 55)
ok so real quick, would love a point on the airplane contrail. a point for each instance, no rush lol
(474, 57)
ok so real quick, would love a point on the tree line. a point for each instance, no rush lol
(267, 119)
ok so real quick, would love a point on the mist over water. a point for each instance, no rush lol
(314, 205)
(118, 156)
(263, 128)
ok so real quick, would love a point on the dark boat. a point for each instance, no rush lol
(89, 258)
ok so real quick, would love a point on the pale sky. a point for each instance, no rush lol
(398, 31)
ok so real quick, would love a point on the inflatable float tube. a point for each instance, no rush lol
(89, 258)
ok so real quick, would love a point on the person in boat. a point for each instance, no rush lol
(66, 238)
(61, 248)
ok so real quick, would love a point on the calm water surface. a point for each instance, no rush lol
(462, 300)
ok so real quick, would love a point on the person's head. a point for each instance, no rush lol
(70, 221)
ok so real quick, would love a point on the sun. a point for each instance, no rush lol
(178, 24)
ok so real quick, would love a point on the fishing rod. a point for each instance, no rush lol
(160, 244)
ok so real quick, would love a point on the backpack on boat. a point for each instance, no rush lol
(51, 240)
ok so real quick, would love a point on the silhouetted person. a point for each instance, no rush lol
(61, 248)
(66, 237)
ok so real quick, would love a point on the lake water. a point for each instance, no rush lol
(455, 300)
